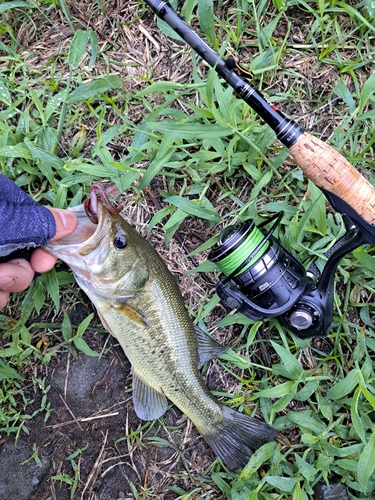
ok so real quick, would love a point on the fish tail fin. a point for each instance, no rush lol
(239, 436)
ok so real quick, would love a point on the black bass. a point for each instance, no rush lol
(140, 304)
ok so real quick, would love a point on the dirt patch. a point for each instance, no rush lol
(16, 462)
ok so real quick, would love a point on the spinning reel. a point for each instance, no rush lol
(263, 280)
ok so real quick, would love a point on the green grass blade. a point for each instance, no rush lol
(259, 457)
(366, 463)
(94, 88)
(344, 386)
(78, 47)
(163, 154)
(16, 4)
(206, 20)
(357, 424)
(193, 208)
(190, 131)
(82, 346)
(278, 391)
(292, 367)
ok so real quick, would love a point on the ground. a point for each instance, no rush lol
(92, 445)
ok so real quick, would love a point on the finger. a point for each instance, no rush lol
(42, 261)
(15, 275)
(4, 297)
(66, 222)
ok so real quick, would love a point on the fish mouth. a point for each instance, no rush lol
(86, 235)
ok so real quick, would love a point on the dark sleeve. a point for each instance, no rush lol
(23, 223)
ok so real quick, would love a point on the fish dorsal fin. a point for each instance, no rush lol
(208, 348)
(148, 403)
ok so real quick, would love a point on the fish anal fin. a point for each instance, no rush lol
(148, 403)
(208, 348)
(239, 436)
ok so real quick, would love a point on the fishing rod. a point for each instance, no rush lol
(262, 279)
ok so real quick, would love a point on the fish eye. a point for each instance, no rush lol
(120, 242)
(120, 239)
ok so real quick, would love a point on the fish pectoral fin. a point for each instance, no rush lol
(132, 313)
(208, 348)
(148, 403)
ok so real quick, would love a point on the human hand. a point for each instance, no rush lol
(17, 274)
(26, 224)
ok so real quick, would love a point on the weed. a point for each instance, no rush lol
(63, 120)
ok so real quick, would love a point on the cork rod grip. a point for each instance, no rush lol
(329, 170)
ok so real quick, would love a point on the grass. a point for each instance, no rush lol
(91, 108)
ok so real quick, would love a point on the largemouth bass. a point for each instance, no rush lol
(140, 304)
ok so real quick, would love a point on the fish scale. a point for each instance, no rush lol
(141, 305)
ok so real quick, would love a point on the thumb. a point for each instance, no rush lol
(66, 222)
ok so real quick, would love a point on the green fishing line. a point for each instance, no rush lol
(232, 261)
